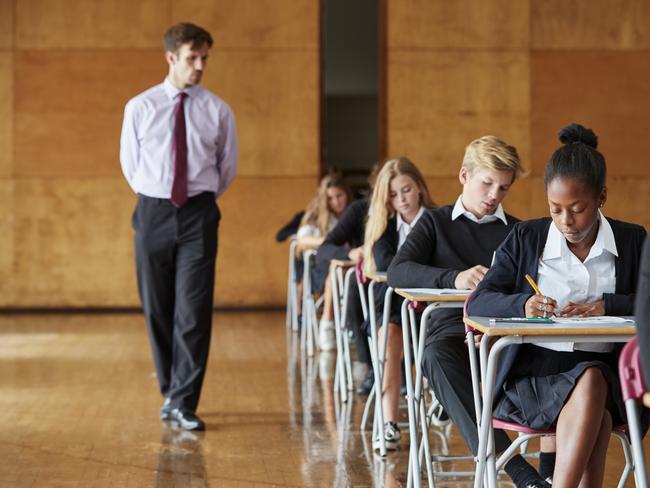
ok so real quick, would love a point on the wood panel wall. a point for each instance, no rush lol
(66, 70)
(521, 70)
(455, 71)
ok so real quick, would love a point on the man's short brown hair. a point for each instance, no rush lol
(185, 33)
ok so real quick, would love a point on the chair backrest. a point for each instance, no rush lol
(418, 306)
(629, 371)
(358, 271)
(467, 327)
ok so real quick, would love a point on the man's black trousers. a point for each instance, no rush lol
(175, 252)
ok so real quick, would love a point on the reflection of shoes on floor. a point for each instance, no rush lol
(178, 437)
(326, 335)
(392, 436)
(326, 364)
(187, 420)
(366, 385)
(166, 409)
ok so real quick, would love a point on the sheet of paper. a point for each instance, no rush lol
(602, 319)
(437, 291)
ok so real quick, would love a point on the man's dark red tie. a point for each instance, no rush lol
(179, 186)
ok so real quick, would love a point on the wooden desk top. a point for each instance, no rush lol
(508, 328)
(432, 294)
(344, 263)
(646, 400)
(378, 276)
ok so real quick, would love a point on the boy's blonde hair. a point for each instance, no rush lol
(493, 153)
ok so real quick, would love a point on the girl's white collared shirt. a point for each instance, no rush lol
(403, 229)
(563, 277)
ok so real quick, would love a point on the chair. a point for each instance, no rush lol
(309, 329)
(340, 288)
(292, 289)
(633, 389)
(377, 354)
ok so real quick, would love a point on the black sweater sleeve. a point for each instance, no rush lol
(502, 293)
(643, 311)
(629, 242)
(347, 234)
(386, 246)
(290, 228)
(414, 266)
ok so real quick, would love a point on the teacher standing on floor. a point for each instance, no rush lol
(179, 154)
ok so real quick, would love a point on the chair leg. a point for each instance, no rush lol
(640, 473)
(629, 460)
(366, 410)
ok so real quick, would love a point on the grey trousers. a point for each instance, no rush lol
(446, 365)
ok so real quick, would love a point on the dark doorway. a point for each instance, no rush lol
(350, 129)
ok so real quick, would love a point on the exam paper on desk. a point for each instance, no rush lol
(601, 319)
(437, 291)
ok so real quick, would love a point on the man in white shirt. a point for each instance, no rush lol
(178, 153)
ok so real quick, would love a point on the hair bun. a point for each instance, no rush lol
(578, 133)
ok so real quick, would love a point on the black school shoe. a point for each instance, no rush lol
(166, 409)
(366, 385)
(186, 420)
(538, 484)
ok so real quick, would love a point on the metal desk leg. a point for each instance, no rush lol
(414, 465)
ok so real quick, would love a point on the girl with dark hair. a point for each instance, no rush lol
(585, 265)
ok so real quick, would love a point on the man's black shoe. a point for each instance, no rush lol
(368, 382)
(187, 420)
(166, 409)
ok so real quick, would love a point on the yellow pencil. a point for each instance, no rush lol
(533, 284)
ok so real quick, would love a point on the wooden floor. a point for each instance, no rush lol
(79, 407)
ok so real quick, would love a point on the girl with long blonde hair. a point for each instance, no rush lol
(398, 200)
(321, 216)
(323, 211)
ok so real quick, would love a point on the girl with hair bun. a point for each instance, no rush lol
(585, 265)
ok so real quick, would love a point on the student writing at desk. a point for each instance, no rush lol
(584, 265)
(451, 247)
(399, 199)
(345, 241)
(321, 216)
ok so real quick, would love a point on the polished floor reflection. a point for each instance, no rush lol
(80, 406)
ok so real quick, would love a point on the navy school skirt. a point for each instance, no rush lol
(541, 381)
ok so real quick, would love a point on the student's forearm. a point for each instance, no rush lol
(328, 251)
(309, 242)
(409, 274)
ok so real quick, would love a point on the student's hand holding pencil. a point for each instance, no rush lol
(538, 305)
